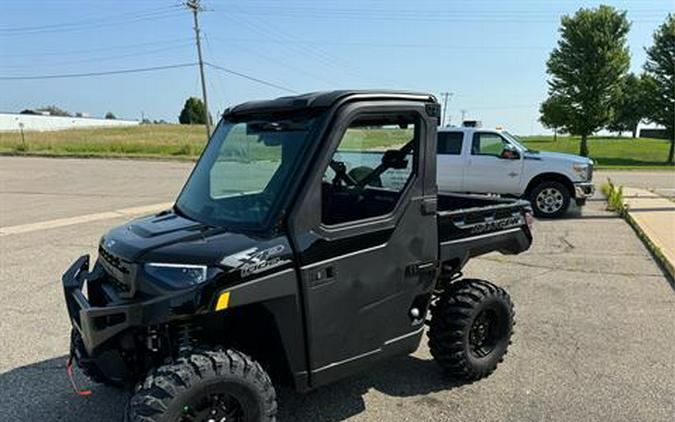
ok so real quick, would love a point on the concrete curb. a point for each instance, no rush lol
(655, 251)
(666, 266)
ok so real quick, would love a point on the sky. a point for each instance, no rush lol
(490, 54)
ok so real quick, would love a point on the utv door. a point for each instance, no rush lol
(366, 236)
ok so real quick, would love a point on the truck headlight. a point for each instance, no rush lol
(177, 275)
(581, 170)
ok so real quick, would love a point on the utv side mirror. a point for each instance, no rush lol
(394, 159)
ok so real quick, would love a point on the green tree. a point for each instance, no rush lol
(660, 80)
(109, 115)
(587, 68)
(554, 115)
(630, 106)
(193, 112)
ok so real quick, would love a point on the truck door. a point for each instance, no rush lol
(450, 162)
(365, 234)
(493, 165)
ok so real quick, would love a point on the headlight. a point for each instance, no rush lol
(581, 170)
(177, 275)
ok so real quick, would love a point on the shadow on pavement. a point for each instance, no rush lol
(41, 391)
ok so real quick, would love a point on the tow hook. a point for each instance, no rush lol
(69, 371)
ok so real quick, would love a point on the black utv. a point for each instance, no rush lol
(309, 243)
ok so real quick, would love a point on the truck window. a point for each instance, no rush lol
(370, 169)
(450, 143)
(487, 144)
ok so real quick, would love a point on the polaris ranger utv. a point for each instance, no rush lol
(309, 243)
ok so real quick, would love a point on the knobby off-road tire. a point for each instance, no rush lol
(207, 385)
(550, 199)
(89, 370)
(470, 330)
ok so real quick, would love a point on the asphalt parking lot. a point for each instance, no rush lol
(594, 339)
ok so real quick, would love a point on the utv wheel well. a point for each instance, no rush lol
(545, 177)
(243, 328)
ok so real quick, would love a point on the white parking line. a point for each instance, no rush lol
(62, 222)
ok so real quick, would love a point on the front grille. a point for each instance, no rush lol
(590, 173)
(122, 273)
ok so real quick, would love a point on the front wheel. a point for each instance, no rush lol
(209, 385)
(550, 199)
(471, 326)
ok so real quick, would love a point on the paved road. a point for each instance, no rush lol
(594, 337)
(661, 181)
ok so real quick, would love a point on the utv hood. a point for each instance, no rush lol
(170, 238)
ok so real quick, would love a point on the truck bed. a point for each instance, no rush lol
(472, 225)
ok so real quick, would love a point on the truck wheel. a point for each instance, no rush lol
(91, 371)
(471, 326)
(218, 385)
(550, 199)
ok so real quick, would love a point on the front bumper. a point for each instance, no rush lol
(583, 190)
(95, 324)
(106, 318)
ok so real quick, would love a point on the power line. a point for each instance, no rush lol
(318, 55)
(97, 50)
(277, 62)
(90, 74)
(250, 78)
(146, 69)
(94, 24)
(100, 59)
(476, 48)
(89, 21)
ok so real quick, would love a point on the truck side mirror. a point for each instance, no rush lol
(509, 154)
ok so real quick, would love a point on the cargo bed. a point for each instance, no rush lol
(472, 225)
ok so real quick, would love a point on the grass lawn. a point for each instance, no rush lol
(610, 152)
(187, 142)
(184, 141)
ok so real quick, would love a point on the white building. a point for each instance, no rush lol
(12, 122)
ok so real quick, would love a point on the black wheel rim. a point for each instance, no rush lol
(213, 407)
(484, 334)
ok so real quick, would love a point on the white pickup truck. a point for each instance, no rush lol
(478, 160)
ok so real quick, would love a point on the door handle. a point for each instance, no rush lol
(322, 275)
(420, 268)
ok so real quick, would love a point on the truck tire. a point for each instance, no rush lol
(207, 385)
(550, 199)
(470, 330)
(89, 370)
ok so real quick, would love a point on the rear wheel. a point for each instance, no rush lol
(550, 199)
(471, 326)
(220, 385)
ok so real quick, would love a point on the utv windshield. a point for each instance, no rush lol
(244, 172)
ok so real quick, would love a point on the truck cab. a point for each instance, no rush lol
(309, 242)
(478, 160)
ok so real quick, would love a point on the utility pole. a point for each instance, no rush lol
(445, 96)
(196, 8)
(463, 115)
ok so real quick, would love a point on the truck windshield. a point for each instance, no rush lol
(244, 172)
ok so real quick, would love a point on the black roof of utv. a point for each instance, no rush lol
(316, 100)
